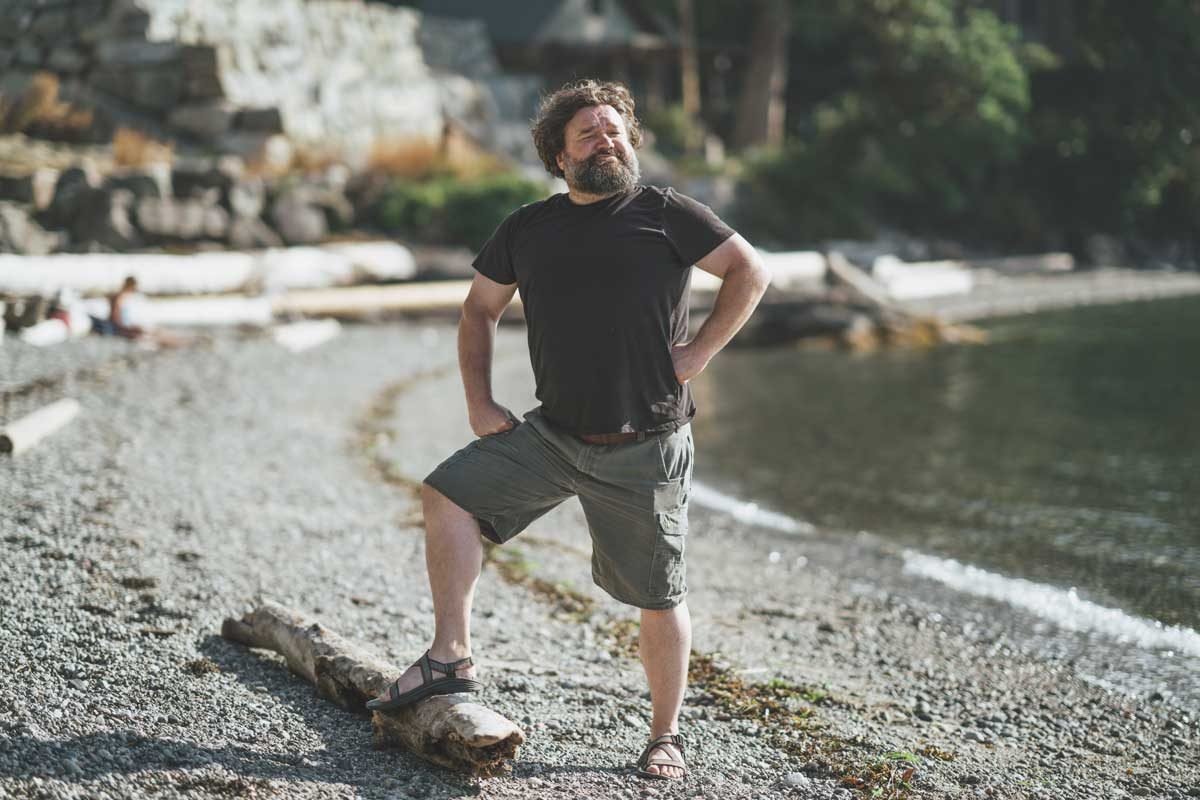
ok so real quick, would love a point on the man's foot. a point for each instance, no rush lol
(413, 678)
(663, 758)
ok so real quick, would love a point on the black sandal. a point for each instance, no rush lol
(644, 761)
(430, 686)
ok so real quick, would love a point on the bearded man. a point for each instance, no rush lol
(603, 271)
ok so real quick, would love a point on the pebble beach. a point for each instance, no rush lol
(199, 480)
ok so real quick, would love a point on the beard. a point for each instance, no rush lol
(598, 176)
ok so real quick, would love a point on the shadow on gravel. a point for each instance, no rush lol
(346, 735)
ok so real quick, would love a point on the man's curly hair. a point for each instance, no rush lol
(557, 109)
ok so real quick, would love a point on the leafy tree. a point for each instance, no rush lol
(929, 105)
(1115, 127)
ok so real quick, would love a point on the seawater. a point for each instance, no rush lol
(1064, 454)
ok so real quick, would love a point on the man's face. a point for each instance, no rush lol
(597, 157)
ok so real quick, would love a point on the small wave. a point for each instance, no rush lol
(747, 512)
(1062, 607)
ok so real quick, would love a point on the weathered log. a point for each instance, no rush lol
(434, 297)
(29, 430)
(448, 730)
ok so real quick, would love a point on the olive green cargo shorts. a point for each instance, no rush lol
(634, 496)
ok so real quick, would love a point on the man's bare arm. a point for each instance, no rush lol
(744, 280)
(481, 312)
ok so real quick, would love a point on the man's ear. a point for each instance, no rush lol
(558, 159)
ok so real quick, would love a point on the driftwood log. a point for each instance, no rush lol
(448, 730)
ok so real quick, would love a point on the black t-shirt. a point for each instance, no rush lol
(605, 288)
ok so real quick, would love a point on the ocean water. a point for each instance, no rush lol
(1062, 457)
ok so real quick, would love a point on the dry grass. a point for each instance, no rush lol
(312, 159)
(132, 148)
(456, 155)
(38, 111)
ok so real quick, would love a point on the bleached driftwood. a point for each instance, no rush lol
(362, 301)
(31, 429)
(448, 729)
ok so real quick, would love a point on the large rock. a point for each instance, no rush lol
(42, 183)
(181, 219)
(103, 218)
(297, 220)
(71, 186)
(247, 197)
(124, 19)
(157, 89)
(21, 235)
(205, 121)
(200, 177)
(259, 120)
(251, 233)
(137, 53)
(51, 25)
(65, 58)
(139, 184)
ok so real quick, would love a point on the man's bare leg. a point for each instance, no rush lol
(665, 641)
(453, 560)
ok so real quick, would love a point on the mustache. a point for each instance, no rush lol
(594, 158)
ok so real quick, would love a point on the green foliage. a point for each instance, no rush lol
(1115, 128)
(447, 210)
(930, 108)
(674, 133)
(933, 116)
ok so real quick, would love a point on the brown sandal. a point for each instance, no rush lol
(430, 686)
(644, 761)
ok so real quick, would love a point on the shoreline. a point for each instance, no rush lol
(207, 476)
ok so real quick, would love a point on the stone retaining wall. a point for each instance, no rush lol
(230, 72)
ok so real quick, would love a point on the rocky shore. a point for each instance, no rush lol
(197, 480)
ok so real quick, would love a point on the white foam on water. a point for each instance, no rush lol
(1062, 607)
(747, 512)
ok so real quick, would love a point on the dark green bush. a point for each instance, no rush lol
(447, 210)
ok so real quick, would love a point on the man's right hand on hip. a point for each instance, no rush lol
(492, 418)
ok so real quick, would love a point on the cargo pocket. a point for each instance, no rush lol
(667, 569)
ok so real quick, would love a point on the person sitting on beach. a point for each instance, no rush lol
(125, 310)
(603, 272)
(127, 317)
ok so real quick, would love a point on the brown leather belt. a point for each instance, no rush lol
(614, 438)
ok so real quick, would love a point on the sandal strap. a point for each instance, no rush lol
(667, 738)
(428, 664)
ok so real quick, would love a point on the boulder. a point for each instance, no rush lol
(17, 188)
(137, 53)
(139, 184)
(123, 20)
(198, 177)
(51, 24)
(71, 185)
(181, 219)
(206, 121)
(247, 197)
(102, 217)
(297, 220)
(251, 233)
(158, 89)
(65, 58)
(28, 54)
(19, 234)
(338, 211)
(259, 120)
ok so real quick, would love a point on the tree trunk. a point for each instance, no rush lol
(447, 729)
(763, 102)
(689, 63)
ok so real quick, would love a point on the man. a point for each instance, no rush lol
(603, 272)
